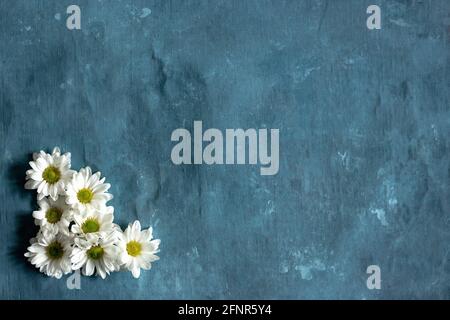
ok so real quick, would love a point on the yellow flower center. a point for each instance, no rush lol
(95, 252)
(53, 215)
(51, 174)
(134, 248)
(55, 250)
(90, 225)
(85, 195)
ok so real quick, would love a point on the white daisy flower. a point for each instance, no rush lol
(92, 224)
(53, 214)
(138, 250)
(100, 256)
(86, 191)
(50, 252)
(49, 173)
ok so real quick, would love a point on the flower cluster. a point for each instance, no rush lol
(76, 224)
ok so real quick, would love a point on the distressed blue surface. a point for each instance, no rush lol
(364, 119)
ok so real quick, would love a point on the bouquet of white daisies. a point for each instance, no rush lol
(76, 225)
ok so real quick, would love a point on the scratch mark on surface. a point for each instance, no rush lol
(322, 17)
(270, 208)
(381, 215)
(307, 269)
(400, 22)
(145, 13)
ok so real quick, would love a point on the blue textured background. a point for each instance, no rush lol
(364, 119)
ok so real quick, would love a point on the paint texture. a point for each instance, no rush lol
(364, 119)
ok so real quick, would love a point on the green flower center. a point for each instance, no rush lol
(134, 248)
(55, 250)
(51, 174)
(53, 215)
(95, 252)
(90, 225)
(85, 195)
